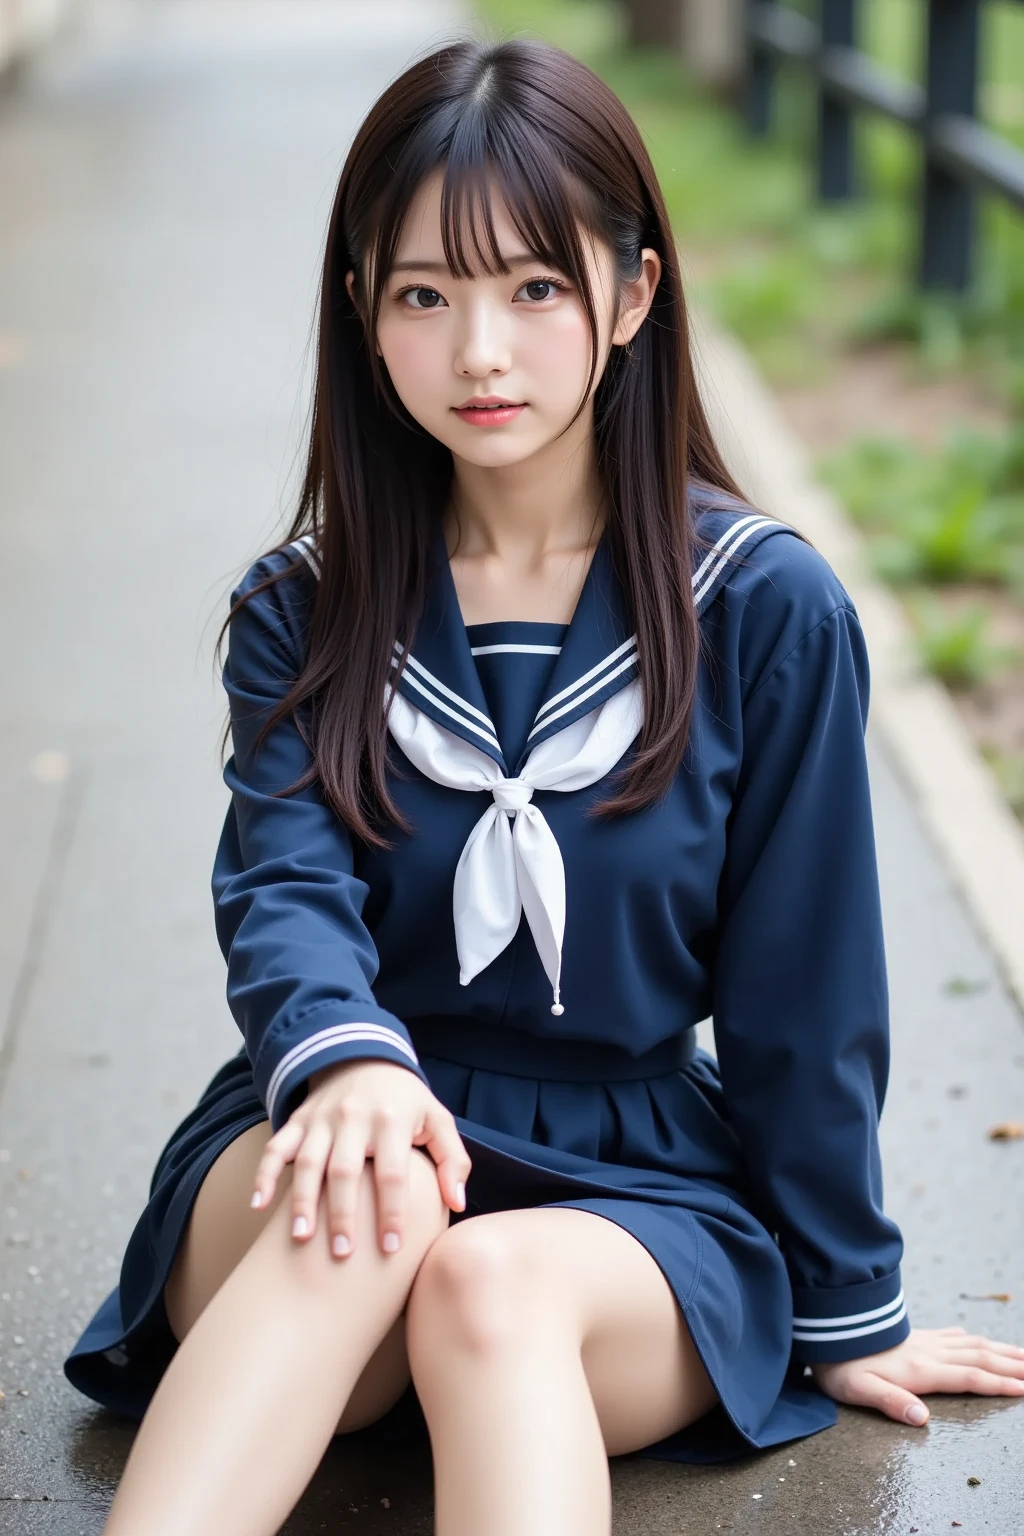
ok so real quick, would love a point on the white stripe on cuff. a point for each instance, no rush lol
(324, 1039)
(851, 1333)
(854, 1317)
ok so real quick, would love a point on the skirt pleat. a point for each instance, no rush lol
(657, 1156)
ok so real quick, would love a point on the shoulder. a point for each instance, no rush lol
(772, 588)
(272, 604)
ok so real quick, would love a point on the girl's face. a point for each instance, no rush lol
(523, 339)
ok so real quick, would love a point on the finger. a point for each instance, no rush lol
(974, 1378)
(308, 1178)
(278, 1151)
(344, 1175)
(441, 1138)
(997, 1346)
(870, 1391)
(392, 1149)
(989, 1358)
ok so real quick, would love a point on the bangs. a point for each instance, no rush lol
(483, 154)
(545, 207)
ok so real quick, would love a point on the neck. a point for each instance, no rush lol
(551, 502)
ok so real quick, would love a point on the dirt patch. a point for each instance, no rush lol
(875, 391)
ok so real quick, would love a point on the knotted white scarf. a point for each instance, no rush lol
(504, 870)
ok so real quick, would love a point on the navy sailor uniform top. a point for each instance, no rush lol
(748, 893)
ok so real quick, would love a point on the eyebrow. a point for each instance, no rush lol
(517, 259)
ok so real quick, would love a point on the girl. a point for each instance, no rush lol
(546, 746)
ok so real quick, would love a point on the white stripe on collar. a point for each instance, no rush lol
(470, 725)
(707, 572)
(306, 549)
(523, 650)
(439, 687)
(626, 648)
(579, 698)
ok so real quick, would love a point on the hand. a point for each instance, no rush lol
(353, 1111)
(929, 1360)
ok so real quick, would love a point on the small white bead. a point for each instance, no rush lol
(557, 1008)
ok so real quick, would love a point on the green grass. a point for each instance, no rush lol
(797, 281)
(802, 284)
(956, 515)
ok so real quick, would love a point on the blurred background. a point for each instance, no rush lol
(874, 268)
(846, 182)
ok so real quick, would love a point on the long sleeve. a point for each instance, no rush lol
(800, 990)
(287, 904)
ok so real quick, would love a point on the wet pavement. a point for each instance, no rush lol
(164, 187)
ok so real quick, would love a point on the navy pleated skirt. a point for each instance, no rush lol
(644, 1142)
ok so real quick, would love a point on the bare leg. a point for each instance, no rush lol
(541, 1342)
(256, 1389)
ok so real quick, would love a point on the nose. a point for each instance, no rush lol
(483, 347)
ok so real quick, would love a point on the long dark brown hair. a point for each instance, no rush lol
(566, 158)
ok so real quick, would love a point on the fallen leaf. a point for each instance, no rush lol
(988, 1296)
(963, 985)
(974, 1482)
(1009, 1130)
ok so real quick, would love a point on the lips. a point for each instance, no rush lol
(487, 403)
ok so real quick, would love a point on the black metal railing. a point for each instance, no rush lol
(960, 156)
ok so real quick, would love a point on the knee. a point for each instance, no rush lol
(477, 1290)
(424, 1217)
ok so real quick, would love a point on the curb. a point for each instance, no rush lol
(957, 795)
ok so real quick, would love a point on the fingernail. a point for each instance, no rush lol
(300, 1226)
(391, 1241)
(340, 1245)
(916, 1413)
(460, 1193)
(256, 1200)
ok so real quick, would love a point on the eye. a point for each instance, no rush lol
(434, 300)
(542, 282)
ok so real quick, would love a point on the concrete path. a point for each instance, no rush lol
(164, 187)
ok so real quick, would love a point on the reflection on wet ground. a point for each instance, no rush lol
(168, 202)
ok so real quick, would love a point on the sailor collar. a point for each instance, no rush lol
(591, 712)
(598, 655)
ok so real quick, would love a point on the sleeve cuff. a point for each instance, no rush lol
(844, 1323)
(321, 1038)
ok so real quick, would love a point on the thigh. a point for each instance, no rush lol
(619, 1311)
(221, 1229)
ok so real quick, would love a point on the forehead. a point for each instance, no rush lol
(420, 234)
(571, 246)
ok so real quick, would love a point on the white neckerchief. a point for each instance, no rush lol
(503, 871)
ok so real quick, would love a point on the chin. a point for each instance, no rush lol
(492, 455)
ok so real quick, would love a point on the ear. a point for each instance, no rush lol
(350, 284)
(637, 297)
